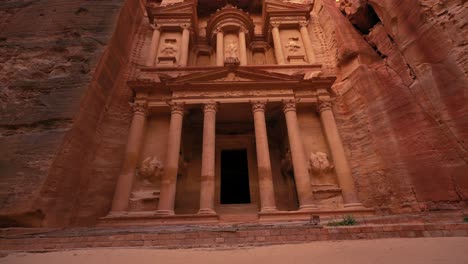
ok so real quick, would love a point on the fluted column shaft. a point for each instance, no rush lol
(277, 43)
(308, 45)
(243, 47)
(153, 51)
(301, 174)
(169, 179)
(132, 152)
(219, 48)
(207, 190)
(185, 45)
(267, 193)
(342, 168)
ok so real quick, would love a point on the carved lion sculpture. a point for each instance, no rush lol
(151, 168)
(319, 163)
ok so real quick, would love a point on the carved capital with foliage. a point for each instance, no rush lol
(258, 106)
(289, 105)
(324, 106)
(210, 107)
(139, 108)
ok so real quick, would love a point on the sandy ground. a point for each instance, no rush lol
(400, 251)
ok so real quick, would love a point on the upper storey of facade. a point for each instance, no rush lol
(211, 33)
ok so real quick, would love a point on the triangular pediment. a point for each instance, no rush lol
(233, 75)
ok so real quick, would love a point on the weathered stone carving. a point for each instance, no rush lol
(293, 46)
(169, 49)
(231, 50)
(286, 165)
(319, 164)
(151, 169)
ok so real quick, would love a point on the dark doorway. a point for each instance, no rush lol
(234, 177)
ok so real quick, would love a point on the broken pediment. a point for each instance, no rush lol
(173, 10)
(302, 6)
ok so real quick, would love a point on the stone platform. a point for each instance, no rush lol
(195, 236)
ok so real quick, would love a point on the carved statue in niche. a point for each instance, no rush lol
(319, 164)
(293, 45)
(169, 48)
(231, 50)
(150, 170)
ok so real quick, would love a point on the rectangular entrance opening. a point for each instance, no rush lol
(234, 177)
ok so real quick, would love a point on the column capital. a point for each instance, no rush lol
(289, 105)
(210, 107)
(155, 27)
(177, 107)
(218, 30)
(258, 106)
(185, 26)
(275, 24)
(303, 23)
(243, 30)
(139, 108)
(324, 106)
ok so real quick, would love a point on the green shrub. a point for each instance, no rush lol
(348, 220)
(465, 219)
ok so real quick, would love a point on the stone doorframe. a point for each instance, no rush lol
(226, 142)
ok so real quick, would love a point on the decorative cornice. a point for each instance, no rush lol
(258, 106)
(289, 105)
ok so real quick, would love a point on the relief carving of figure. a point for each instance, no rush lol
(151, 169)
(293, 45)
(319, 164)
(231, 50)
(286, 164)
(169, 48)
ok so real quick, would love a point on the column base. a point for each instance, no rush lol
(308, 207)
(354, 206)
(268, 210)
(164, 212)
(117, 214)
(207, 211)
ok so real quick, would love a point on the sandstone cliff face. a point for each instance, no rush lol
(56, 75)
(404, 115)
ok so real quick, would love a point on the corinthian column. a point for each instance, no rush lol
(153, 51)
(343, 171)
(267, 193)
(169, 179)
(306, 39)
(132, 152)
(301, 173)
(243, 46)
(219, 47)
(277, 43)
(207, 190)
(185, 44)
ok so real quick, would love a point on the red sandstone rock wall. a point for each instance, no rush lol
(404, 115)
(59, 62)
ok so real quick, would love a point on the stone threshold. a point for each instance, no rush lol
(151, 218)
(306, 215)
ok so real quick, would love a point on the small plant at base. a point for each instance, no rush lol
(348, 220)
(465, 219)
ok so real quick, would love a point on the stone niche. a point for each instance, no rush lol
(169, 49)
(231, 46)
(321, 168)
(146, 188)
(293, 47)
